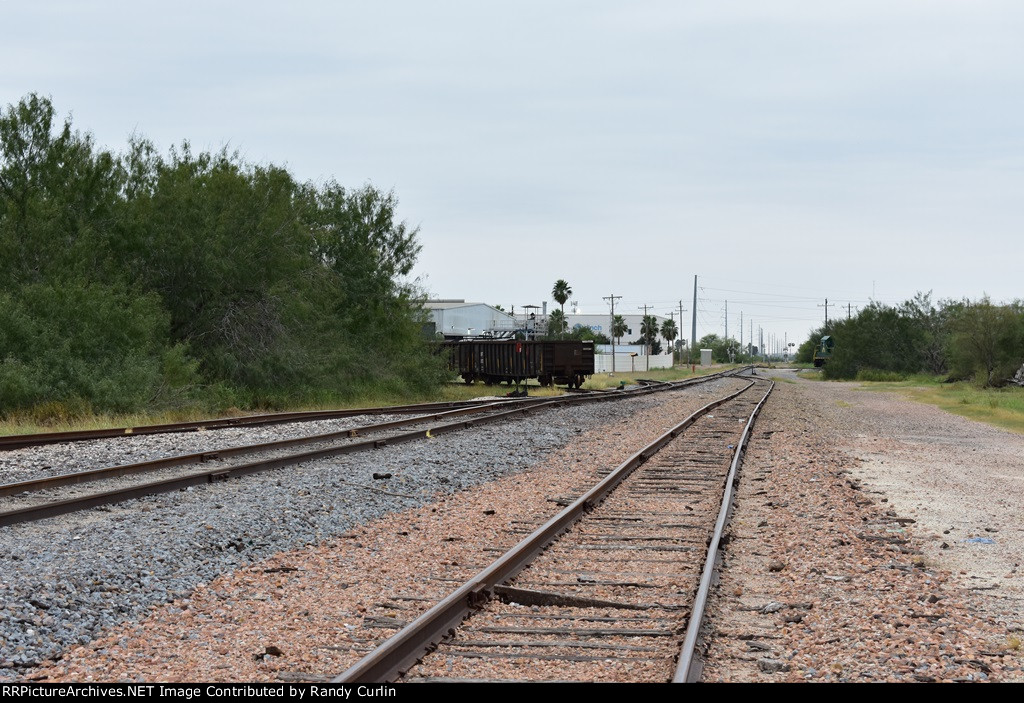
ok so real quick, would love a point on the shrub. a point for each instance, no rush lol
(878, 376)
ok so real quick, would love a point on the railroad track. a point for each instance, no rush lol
(36, 499)
(605, 590)
(43, 438)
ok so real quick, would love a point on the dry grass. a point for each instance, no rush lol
(16, 425)
(601, 381)
(1001, 407)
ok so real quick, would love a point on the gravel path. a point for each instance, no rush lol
(67, 580)
(836, 569)
(313, 611)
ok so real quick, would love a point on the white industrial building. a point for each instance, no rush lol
(457, 319)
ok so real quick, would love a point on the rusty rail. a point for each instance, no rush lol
(31, 440)
(690, 665)
(405, 648)
(55, 508)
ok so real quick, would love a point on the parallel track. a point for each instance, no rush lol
(603, 586)
(222, 473)
(42, 438)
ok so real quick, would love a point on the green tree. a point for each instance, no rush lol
(878, 338)
(931, 331)
(557, 324)
(669, 331)
(58, 197)
(585, 333)
(561, 292)
(162, 273)
(986, 340)
(618, 328)
(649, 329)
(720, 347)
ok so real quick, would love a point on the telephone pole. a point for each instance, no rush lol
(611, 327)
(647, 337)
(672, 316)
(826, 306)
(693, 328)
(681, 329)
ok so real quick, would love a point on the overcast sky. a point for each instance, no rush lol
(784, 152)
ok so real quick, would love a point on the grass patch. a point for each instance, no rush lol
(602, 381)
(1001, 407)
(464, 391)
(874, 375)
(74, 419)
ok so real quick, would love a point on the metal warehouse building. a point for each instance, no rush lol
(455, 319)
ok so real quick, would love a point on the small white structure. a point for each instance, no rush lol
(705, 357)
(631, 363)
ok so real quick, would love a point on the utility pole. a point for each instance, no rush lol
(672, 316)
(741, 331)
(647, 347)
(693, 329)
(826, 306)
(848, 307)
(681, 328)
(611, 329)
(727, 319)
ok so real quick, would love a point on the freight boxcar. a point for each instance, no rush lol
(512, 361)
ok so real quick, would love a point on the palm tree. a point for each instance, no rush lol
(649, 329)
(618, 327)
(669, 331)
(561, 293)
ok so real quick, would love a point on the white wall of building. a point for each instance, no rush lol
(624, 363)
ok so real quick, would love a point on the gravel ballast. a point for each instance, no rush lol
(324, 605)
(66, 580)
(841, 565)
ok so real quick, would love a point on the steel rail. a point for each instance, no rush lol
(690, 665)
(54, 508)
(39, 484)
(31, 440)
(41, 438)
(405, 648)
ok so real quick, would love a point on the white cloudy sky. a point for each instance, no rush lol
(782, 151)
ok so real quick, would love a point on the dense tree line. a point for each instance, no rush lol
(964, 340)
(139, 280)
